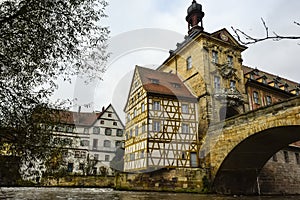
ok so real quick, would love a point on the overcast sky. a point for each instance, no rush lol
(143, 31)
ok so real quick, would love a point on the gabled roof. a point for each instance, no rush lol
(168, 83)
(104, 111)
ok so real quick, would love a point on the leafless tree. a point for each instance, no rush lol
(246, 39)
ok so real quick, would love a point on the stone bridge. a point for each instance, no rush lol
(239, 147)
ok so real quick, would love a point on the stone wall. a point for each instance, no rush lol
(79, 181)
(281, 175)
(176, 180)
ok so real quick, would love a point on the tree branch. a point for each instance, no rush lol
(246, 39)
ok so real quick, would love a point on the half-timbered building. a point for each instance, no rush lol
(161, 122)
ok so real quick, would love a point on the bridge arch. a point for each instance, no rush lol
(240, 146)
(239, 171)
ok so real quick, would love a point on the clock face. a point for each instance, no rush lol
(224, 37)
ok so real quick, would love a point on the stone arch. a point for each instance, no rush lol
(239, 170)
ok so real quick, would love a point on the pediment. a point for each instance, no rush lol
(226, 37)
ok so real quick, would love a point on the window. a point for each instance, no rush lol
(107, 143)
(136, 131)
(118, 143)
(297, 158)
(86, 130)
(132, 156)
(119, 133)
(189, 63)
(142, 155)
(217, 82)
(108, 131)
(96, 156)
(115, 123)
(156, 105)
(176, 85)
(185, 128)
(274, 157)
(184, 108)
(143, 127)
(128, 117)
(255, 97)
(84, 143)
(131, 133)
(134, 113)
(268, 100)
(230, 60)
(154, 81)
(83, 154)
(96, 130)
(264, 80)
(106, 158)
(95, 143)
(215, 57)
(109, 114)
(70, 129)
(60, 128)
(193, 159)
(81, 166)
(286, 156)
(77, 154)
(232, 84)
(156, 126)
(70, 167)
(143, 107)
(102, 122)
(276, 84)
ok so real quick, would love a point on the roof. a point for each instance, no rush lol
(84, 119)
(191, 38)
(257, 74)
(167, 83)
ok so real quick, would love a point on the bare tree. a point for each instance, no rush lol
(246, 39)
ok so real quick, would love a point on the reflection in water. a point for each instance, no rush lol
(109, 194)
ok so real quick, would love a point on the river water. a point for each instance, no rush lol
(109, 194)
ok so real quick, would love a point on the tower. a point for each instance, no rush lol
(194, 17)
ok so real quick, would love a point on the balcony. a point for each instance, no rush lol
(229, 96)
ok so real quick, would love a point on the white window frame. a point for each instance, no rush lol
(156, 126)
(156, 105)
(185, 128)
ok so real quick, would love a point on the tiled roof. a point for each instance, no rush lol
(84, 119)
(257, 74)
(163, 83)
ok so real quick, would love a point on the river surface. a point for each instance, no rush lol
(109, 194)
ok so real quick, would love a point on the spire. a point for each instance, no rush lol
(194, 17)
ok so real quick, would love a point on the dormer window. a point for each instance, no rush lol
(276, 84)
(176, 85)
(154, 81)
(286, 87)
(264, 80)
